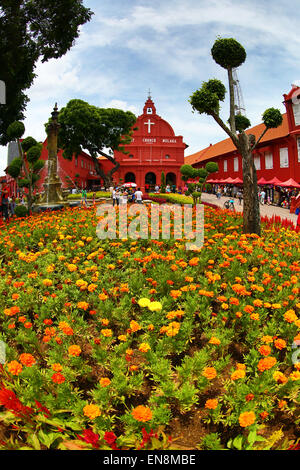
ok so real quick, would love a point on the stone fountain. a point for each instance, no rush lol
(53, 197)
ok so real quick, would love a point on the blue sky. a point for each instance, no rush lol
(133, 45)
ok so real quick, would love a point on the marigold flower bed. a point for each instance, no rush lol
(141, 344)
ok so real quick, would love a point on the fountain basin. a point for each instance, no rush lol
(42, 207)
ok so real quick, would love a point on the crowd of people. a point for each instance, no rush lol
(278, 196)
(123, 195)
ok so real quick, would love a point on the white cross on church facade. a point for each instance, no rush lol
(149, 124)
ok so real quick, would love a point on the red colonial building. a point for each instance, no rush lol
(154, 149)
(277, 154)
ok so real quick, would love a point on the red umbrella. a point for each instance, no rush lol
(290, 183)
(237, 180)
(275, 181)
(229, 180)
(262, 181)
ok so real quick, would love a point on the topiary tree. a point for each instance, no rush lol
(200, 174)
(26, 167)
(229, 54)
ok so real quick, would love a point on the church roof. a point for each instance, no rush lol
(226, 146)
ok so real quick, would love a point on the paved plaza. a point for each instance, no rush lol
(265, 210)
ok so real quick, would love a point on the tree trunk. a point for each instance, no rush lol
(251, 212)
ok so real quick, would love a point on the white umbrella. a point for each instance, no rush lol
(129, 185)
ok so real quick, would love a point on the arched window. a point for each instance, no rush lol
(129, 177)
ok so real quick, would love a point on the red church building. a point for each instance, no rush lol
(277, 154)
(154, 149)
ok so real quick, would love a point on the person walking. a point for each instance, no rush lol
(139, 196)
(262, 197)
(114, 196)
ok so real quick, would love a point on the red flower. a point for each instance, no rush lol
(9, 400)
(110, 438)
(90, 437)
(43, 408)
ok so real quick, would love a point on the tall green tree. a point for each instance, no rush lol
(31, 31)
(100, 131)
(25, 167)
(230, 54)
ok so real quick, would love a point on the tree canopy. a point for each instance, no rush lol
(29, 31)
(100, 131)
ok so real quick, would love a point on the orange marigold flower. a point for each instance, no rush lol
(104, 381)
(214, 340)
(14, 367)
(266, 363)
(56, 367)
(211, 404)
(290, 316)
(27, 359)
(91, 411)
(83, 305)
(134, 326)
(280, 343)
(265, 350)
(264, 414)
(209, 372)
(247, 418)
(249, 397)
(28, 324)
(58, 378)
(142, 413)
(74, 350)
(267, 339)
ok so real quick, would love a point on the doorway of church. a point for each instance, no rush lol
(150, 181)
(171, 181)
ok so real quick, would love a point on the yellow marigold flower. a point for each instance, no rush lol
(104, 382)
(209, 372)
(47, 282)
(150, 327)
(211, 404)
(56, 367)
(247, 418)
(106, 332)
(144, 347)
(279, 377)
(155, 306)
(295, 375)
(238, 374)
(14, 367)
(122, 337)
(144, 302)
(91, 411)
(142, 413)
